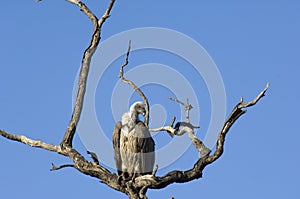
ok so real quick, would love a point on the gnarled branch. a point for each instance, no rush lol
(154, 182)
(137, 187)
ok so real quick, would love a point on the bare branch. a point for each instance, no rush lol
(187, 107)
(142, 193)
(65, 148)
(255, 100)
(176, 100)
(34, 143)
(172, 121)
(106, 14)
(169, 129)
(85, 66)
(137, 187)
(187, 128)
(94, 157)
(199, 145)
(137, 89)
(93, 170)
(80, 163)
(154, 182)
(54, 168)
(234, 115)
(184, 124)
(155, 170)
(175, 130)
(76, 2)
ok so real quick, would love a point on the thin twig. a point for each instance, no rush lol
(54, 168)
(187, 107)
(172, 121)
(106, 14)
(155, 170)
(176, 100)
(191, 126)
(255, 100)
(94, 157)
(137, 89)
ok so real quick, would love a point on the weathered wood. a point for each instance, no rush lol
(135, 188)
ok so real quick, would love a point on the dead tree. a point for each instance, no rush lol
(135, 188)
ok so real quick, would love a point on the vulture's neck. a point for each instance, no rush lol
(129, 121)
(134, 116)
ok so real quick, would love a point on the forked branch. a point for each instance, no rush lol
(135, 188)
(85, 66)
(237, 112)
(176, 176)
(188, 127)
(187, 107)
(65, 148)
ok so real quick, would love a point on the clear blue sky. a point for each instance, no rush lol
(252, 43)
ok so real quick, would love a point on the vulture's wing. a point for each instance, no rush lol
(116, 145)
(146, 147)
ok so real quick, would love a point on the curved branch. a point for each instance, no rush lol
(55, 168)
(175, 130)
(85, 66)
(153, 182)
(137, 89)
(234, 115)
(65, 148)
(169, 129)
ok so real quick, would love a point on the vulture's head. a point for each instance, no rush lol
(138, 108)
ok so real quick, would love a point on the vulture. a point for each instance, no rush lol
(134, 148)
